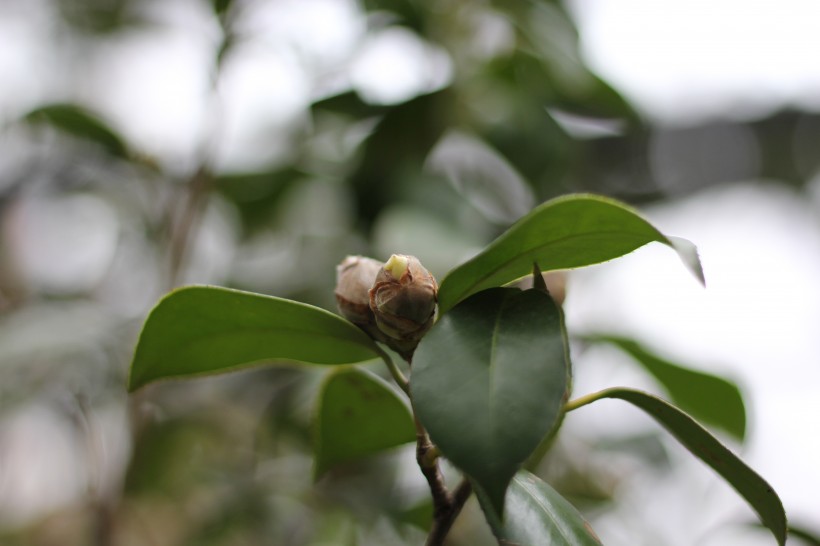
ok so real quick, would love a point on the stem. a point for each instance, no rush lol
(442, 500)
(446, 506)
(583, 401)
(198, 187)
(442, 524)
(398, 377)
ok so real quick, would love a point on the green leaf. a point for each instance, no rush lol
(220, 6)
(567, 232)
(536, 514)
(489, 381)
(707, 448)
(360, 414)
(409, 12)
(420, 515)
(810, 537)
(482, 176)
(708, 398)
(82, 123)
(200, 330)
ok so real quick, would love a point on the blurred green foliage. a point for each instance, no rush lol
(226, 460)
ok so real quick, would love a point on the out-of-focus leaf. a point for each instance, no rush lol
(759, 494)
(102, 17)
(256, 195)
(709, 398)
(396, 149)
(200, 330)
(409, 12)
(536, 514)
(488, 383)
(359, 415)
(567, 232)
(237, 516)
(482, 176)
(649, 448)
(221, 6)
(166, 459)
(80, 122)
(420, 515)
(335, 527)
(599, 100)
(524, 132)
(554, 40)
(810, 537)
(350, 104)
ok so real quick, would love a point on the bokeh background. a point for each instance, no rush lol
(147, 144)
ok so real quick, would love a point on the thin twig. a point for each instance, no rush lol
(446, 506)
(198, 187)
(443, 523)
(398, 377)
(427, 458)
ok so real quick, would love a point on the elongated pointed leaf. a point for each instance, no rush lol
(82, 123)
(203, 330)
(567, 232)
(536, 514)
(220, 6)
(759, 494)
(359, 415)
(810, 537)
(709, 398)
(488, 382)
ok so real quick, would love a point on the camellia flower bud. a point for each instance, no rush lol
(403, 300)
(354, 278)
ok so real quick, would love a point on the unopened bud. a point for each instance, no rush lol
(403, 301)
(354, 278)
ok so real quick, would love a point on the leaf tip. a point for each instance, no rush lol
(538, 281)
(688, 253)
(134, 383)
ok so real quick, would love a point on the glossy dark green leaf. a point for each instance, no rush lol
(489, 381)
(82, 123)
(759, 494)
(200, 330)
(536, 514)
(359, 415)
(707, 397)
(567, 232)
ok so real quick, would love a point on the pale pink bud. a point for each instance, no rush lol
(354, 278)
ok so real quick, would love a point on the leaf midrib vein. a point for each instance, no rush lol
(492, 372)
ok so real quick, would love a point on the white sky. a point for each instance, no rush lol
(680, 60)
(758, 317)
(756, 322)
